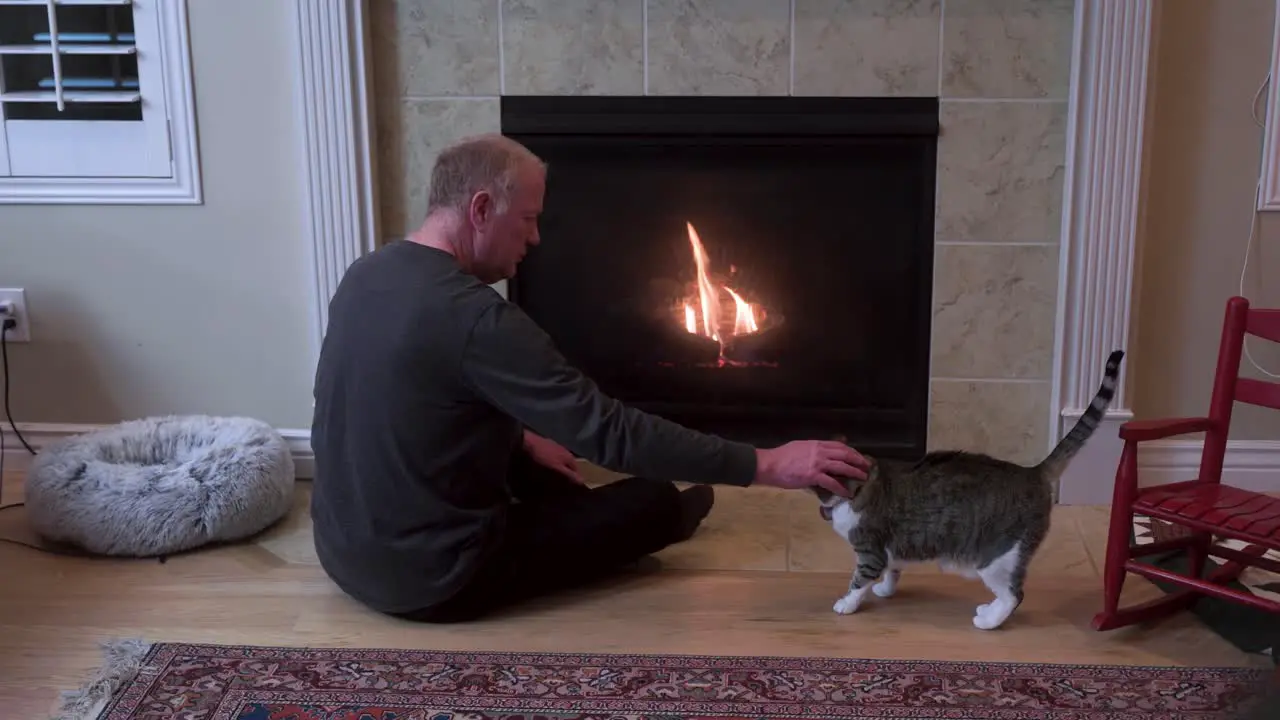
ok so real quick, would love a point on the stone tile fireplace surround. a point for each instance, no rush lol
(1000, 67)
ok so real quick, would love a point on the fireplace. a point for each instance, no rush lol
(756, 267)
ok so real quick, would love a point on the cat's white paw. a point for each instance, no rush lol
(984, 622)
(848, 604)
(991, 616)
(885, 588)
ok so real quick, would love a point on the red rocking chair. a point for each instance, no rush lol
(1204, 506)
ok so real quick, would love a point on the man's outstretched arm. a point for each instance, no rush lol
(512, 362)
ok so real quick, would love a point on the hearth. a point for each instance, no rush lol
(757, 267)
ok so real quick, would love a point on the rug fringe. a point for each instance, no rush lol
(122, 659)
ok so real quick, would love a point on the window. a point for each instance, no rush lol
(96, 102)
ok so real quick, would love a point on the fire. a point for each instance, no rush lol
(705, 314)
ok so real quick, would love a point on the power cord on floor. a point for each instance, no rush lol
(7, 325)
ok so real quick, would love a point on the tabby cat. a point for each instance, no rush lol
(975, 515)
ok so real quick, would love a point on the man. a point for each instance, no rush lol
(446, 423)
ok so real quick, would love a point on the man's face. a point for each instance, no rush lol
(502, 239)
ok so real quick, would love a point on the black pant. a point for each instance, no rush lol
(559, 535)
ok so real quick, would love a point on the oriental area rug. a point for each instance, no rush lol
(266, 683)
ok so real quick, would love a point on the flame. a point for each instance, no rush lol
(744, 316)
(703, 312)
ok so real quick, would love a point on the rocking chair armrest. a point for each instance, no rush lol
(1144, 430)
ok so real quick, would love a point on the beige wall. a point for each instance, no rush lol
(140, 310)
(1205, 154)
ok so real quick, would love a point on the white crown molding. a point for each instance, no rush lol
(338, 142)
(1102, 199)
(40, 435)
(1269, 197)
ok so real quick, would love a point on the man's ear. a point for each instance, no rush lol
(480, 211)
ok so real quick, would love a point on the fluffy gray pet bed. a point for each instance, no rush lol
(160, 485)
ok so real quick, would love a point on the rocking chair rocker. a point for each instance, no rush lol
(1205, 506)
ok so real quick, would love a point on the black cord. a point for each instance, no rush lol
(4, 357)
(70, 552)
(4, 350)
(5, 327)
(41, 548)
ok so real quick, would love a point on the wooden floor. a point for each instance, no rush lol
(759, 578)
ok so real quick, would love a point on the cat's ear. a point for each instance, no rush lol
(851, 486)
(873, 469)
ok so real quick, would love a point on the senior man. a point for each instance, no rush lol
(446, 423)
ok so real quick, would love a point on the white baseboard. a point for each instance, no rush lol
(1089, 479)
(39, 435)
(1249, 464)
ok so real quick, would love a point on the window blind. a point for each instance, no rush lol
(68, 59)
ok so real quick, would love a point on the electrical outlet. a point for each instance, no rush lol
(14, 301)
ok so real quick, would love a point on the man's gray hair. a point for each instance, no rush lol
(489, 162)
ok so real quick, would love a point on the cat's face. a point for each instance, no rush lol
(829, 501)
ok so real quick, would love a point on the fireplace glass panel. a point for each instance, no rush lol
(756, 267)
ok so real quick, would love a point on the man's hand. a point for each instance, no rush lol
(551, 455)
(806, 463)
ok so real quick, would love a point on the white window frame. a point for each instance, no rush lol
(1269, 192)
(154, 161)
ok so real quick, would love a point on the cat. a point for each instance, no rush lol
(973, 514)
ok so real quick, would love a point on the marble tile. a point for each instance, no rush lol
(434, 47)
(1092, 523)
(1064, 551)
(290, 540)
(1009, 420)
(573, 47)
(746, 530)
(1000, 171)
(867, 47)
(719, 47)
(1007, 48)
(993, 311)
(409, 136)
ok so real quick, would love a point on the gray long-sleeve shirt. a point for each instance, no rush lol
(425, 381)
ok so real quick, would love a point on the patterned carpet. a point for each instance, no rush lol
(261, 683)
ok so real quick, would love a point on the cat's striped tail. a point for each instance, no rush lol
(1053, 465)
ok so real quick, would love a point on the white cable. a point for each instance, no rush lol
(1253, 224)
(1243, 271)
